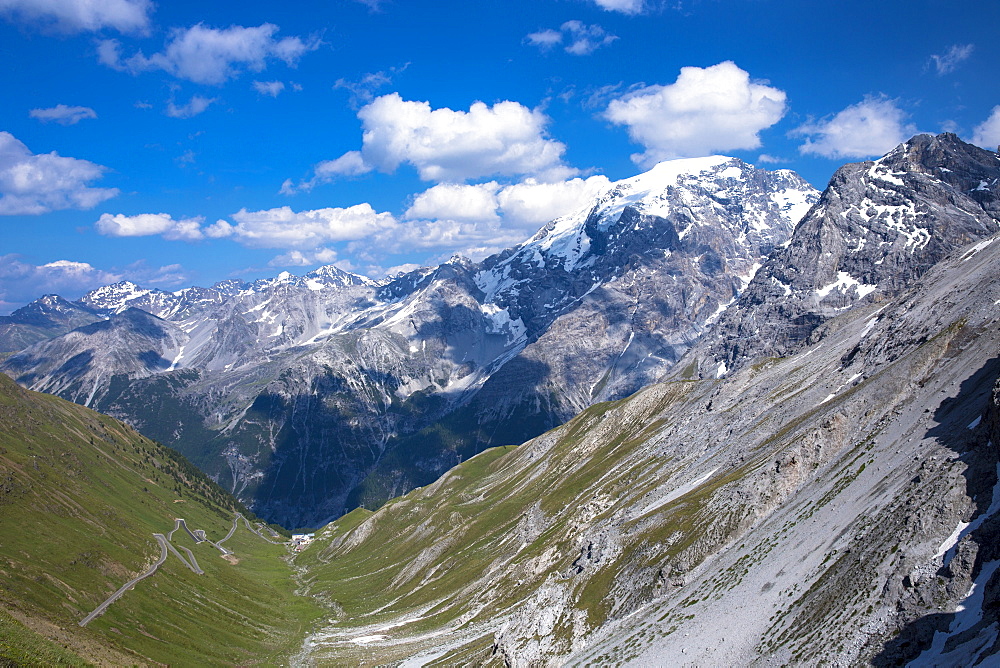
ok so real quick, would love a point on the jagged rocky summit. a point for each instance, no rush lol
(309, 395)
(877, 227)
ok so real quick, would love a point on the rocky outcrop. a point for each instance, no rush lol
(877, 227)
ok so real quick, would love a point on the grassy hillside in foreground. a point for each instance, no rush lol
(81, 496)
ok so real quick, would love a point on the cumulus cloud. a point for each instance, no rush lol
(459, 202)
(272, 88)
(126, 16)
(506, 139)
(34, 184)
(478, 219)
(623, 6)
(444, 145)
(582, 39)
(706, 110)
(148, 224)
(946, 63)
(284, 228)
(869, 128)
(63, 114)
(521, 206)
(194, 106)
(532, 203)
(212, 56)
(987, 133)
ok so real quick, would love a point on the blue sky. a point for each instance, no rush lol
(184, 143)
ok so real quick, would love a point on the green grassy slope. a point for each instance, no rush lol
(496, 530)
(80, 498)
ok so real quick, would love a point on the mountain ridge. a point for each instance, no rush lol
(477, 353)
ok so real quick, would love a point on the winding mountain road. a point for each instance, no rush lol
(198, 535)
(128, 585)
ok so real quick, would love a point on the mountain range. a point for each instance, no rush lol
(308, 396)
(783, 450)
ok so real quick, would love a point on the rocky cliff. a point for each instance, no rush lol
(878, 226)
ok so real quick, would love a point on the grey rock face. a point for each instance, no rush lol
(43, 319)
(310, 395)
(877, 227)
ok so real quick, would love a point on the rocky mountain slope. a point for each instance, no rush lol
(43, 319)
(86, 505)
(878, 226)
(308, 396)
(839, 505)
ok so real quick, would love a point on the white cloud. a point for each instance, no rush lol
(33, 184)
(444, 145)
(531, 203)
(63, 114)
(404, 268)
(544, 39)
(272, 88)
(946, 64)
(706, 110)
(349, 164)
(623, 6)
(363, 90)
(869, 128)
(195, 106)
(582, 39)
(520, 207)
(585, 39)
(210, 55)
(141, 273)
(125, 16)
(987, 133)
(297, 258)
(480, 219)
(284, 228)
(458, 202)
(767, 159)
(507, 139)
(148, 224)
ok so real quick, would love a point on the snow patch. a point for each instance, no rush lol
(677, 493)
(951, 540)
(978, 247)
(843, 283)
